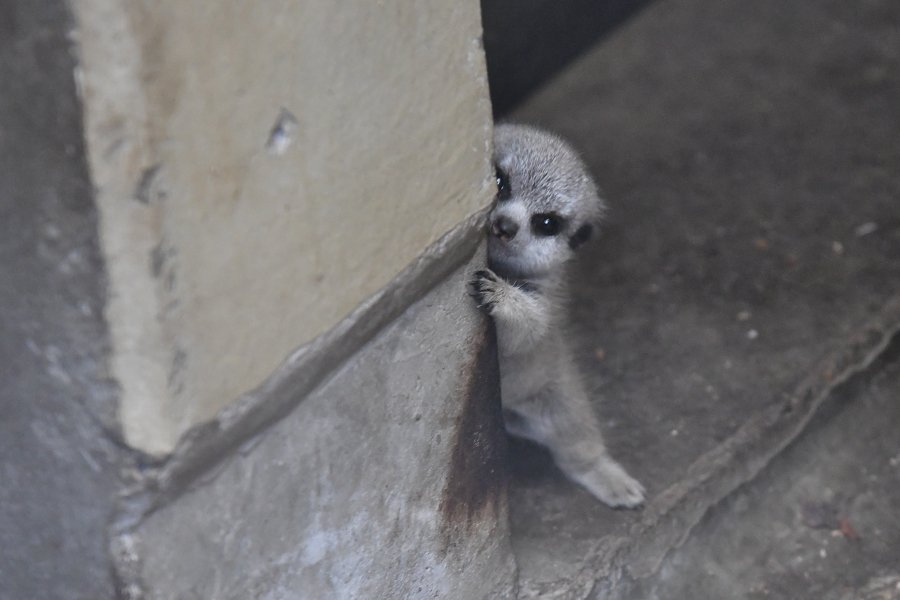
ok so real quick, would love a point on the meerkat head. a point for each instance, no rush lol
(547, 204)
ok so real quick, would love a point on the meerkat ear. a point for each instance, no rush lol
(581, 236)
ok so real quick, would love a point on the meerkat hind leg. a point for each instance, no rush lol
(569, 429)
(519, 426)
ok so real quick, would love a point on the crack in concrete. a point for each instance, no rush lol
(735, 462)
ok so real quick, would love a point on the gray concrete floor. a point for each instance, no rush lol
(821, 522)
(750, 155)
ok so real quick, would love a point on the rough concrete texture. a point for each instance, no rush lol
(821, 523)
(261, 172)
(58, 467)
(751, 262)
(385, 482)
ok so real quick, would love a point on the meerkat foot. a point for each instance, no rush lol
(611, 484)
(518, 426)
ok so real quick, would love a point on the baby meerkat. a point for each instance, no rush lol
(547, 207)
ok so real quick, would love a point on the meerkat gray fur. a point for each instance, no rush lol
(547, 207)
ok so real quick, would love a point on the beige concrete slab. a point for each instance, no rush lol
(260, 171)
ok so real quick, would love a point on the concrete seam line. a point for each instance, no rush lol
(717, 474)
(795, 428)
(207, 445)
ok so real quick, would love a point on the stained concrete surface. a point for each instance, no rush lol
(387, 481)
(58, 460)
(751, 260)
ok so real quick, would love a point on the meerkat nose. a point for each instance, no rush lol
(504, 228)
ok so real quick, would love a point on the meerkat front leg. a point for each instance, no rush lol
(560, 418)
(522, 317)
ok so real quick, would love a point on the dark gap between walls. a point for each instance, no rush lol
(528, 41)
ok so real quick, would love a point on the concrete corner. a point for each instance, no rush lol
(388, 481)
(237, 352)
(261, 172)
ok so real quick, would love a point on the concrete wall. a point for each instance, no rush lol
(237, 354)
(388, 481)
(260, 172)
(58, 463)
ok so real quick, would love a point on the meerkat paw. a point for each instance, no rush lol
(487, 290)
(612, 485)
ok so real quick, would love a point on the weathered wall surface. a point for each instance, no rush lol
(260, 172)
(386, 482)
(237, 356)
(241, 248)
(58, 466)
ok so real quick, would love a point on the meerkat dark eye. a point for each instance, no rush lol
(503, 190)
(546, 224)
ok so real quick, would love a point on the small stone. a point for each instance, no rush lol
(847, 530)
(866, 228)
(761, 243)
(752, 334)
(819, 515)
(744, 315)
(823, 553)
(52, 232)
(837, 248)
(600, 354)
